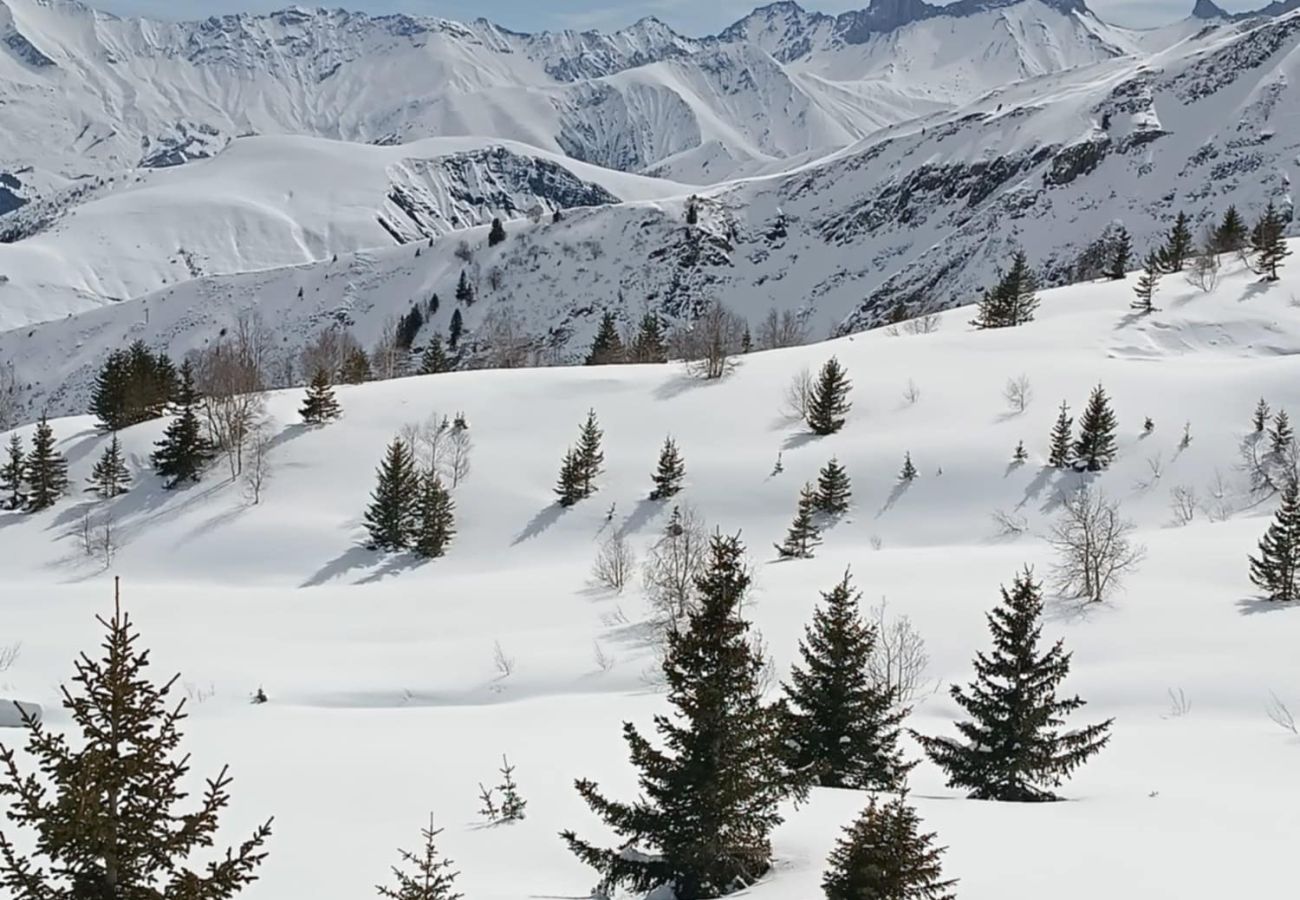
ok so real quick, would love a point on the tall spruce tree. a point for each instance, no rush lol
(432, 876)
(1268, 241)
(709, 798)
(183, 451)
(607, 348)
(434, 359)
(1277, 567)
(833, 489)
(569, 487)
(841, 727)
(46, 470)
(1013, 300)
(1121, 252)
(133, 385)
(320, 406)
(464, 291)
(649, 346)
(885, 856)
(1095, 447)
(1178, 245)
(1230, 235)
(804, 534)
(591, 459)
(455, 329)
(13, 474)
(102, 810)
(1013, 747)
(1280, 436)
(1059, 453)
(1262, 414)
(497, 233)
(393, 516)
(110, 478)
(437, 522)
(1147, 285)
(356, 367)
(668, 475)
(829, 402)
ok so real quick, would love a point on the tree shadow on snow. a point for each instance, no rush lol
(1254, 289)
(289, 432)
(681, 383)
(354, 557)
(546, 517)
(798, 439)
(1255, 606)
(393, 566)
(645, 511)
(895, 495)
(1035, 487)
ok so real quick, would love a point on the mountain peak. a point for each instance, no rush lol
(1208, 9)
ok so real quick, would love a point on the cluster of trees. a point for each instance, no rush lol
(1094, 449)
(411, 508)
(1013, 300)
(582, 464)
(830, 498)
(133, 385)
(647, 344)
(33, 480)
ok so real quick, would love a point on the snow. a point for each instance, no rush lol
(385, 704)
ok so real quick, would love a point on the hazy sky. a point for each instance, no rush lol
(689, 16)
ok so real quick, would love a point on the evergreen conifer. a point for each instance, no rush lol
(829, 402)
(1013, 300)
(183, 451)
(355, 368)
(885, 856)
(1230, 236)
(1268, 241)
(1280, 436)
(13, 474)
(432, 878)
(607, 348)
(46, 470)
(1021, 455)
(804, 534)
(569, 487)
(1262, 415)
(1276, 568)
(1059, 454)
(497, 233)
(455, 329)
(1121, 251)
(1178, 246)
(434, 359)
(1095, 447)
(833, 489)
(670, 472)
(110, 478)
(909, 472)
(464, 290)
(591, 459)
(1147, 284)
(649, 346)
(393, 516)
(437, 523)
(320, 406)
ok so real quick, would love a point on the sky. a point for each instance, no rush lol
(691, 17)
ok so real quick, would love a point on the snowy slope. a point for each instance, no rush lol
(280, 201)
(385, 704)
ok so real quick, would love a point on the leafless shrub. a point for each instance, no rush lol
(1204, 269)
(199, 693)
(460, 447)
(257, 472)
(671, 566)
(430, 441)
(710, 343)
(502, 340)
(784, 329)
(388, 358)
(1279, 714)
(99, 538)
(9, 397)
(877, 542)
(231, 377)
(1179, 705)
(495, 278)
(911, 393)
(464, 253)
(1018, 393)
(1219, 505)
(1009, 524)
(604, 660)
(505, 665)
(1094, 546)
(1155, 468)
(328, 351)
(9, 654)
(615, 561)
(798, 393)
(898, 660)
(1183, 504)
(925, 323)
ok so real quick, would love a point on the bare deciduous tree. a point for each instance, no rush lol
(1018, 393)
(460, 446)
(1009, 524)
(388, 358)
(798, 393)
(230, 375)
(672, 565)
(8, 397)
(99, 538)
(9, 654)
(911, 393)
(257, 472)
(1280, 715)
(1204, 270)
(615, 561)
(328, 351)
(429, 441)
(898, 660)
(1183, 504)
(1094, 545)
(501, 339)
(503, 663)
(784, 329)
(604, 660)
(709, 344)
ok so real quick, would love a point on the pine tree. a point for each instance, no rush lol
(1059, 455)
(433, 876)
(437, 523)
(842, 728)
(1147, 284)
(1268, 241)
(569, 488)
(884, 856)
(497, 233)
(829, 402)
(102, 811)
(833, 489)
(909, 473)
(355, 368)
(1262, 415)
(320, 405)
(464, 292)
(1230, 236)
(455, 329)
(1095, 447)
(1280, 436)
(590, 457)
(804, 534)
(1178, 246)
(132, 386)
(46, 470)
(670, 472)
(394, 512)
(692, 210)
(183, 451)
(709, 799)
(1021, 455)
(607, 348)
(12, 475)
(649, 346)
(1121, 250)
(1014, 748)
(1278, 564)
(512, 804)
(110, 478)
(434, 359)
(1013, 300)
